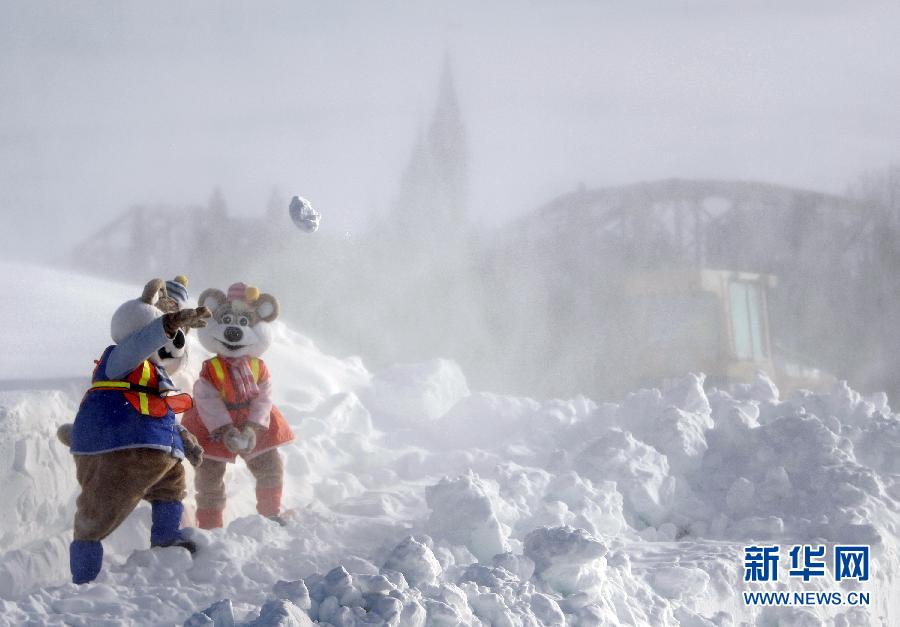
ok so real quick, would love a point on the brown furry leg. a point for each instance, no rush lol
(172, 486)
(267, 469)
(112, 484)
(209, 480)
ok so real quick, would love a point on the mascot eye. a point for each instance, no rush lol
(243, 321)
(227, 319)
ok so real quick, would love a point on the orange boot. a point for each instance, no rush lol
(209, 518)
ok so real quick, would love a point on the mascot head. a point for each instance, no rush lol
(240, 321)
(159, 297)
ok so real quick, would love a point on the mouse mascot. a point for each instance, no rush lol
(127, 444)
(233, 413)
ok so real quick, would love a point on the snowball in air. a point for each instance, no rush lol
(303, 214)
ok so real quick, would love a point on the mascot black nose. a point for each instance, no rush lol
(233, 334)
(178, 340)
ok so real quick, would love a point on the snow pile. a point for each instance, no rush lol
(44, 342)
(415, 502)
(409, 394)
(462, 512)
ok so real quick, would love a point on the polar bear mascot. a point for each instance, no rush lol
(126, 441)
(233, 414)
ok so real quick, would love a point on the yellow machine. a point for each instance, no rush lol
(703, 320)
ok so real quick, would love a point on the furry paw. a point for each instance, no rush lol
(192, 449)
(185, 319)
(64, 433)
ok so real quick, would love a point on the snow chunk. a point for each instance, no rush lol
(676, 582)
(219, 614)
(568, 560)
(407, 395)
(293, 591)
(640, 472)
(281, 613)
(462, 513)
(416, 561)
(674, 421)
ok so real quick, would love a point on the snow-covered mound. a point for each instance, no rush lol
(417, 502)
(58, 321)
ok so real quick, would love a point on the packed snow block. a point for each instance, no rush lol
(877, 445)
(732, 420)
(413, 614)
(281, 613)
(97, 599)
(519, 565)
(547, 610)
(373, 584)
(341, 486)
(569, 560)
(486, 421)
(640, 471)
(219, 614)
(681, 437)
(548, 545)
(791, 472)
(757, 527)
(689, 618)
(494, 578)
(34, 313)
(338, 414)
(449, 605)
(594, 615)
(293, 591)
(598, 507)
(22, 570)
(339, 584)
(389, 608)
(37, 478)
(406, 395)
(687, 394)
(762, 389)
(416, 561)
(463, 513)
(499, 596)
(492, 609)
(848, 405)
(674, 421)
(314, 376)
(677, 582)
(161, 563)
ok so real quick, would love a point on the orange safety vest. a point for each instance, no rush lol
(141, 389)
(278, 433)
(226, 387)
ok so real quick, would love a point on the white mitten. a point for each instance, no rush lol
(240, 440)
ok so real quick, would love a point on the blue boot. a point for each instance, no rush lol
(164, 529)
(85, 560)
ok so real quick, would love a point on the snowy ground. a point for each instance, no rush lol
(418, 502)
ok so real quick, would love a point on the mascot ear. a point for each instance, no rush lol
(266, 307)
(211, 298)
(154, 289)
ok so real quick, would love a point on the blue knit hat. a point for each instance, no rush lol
(177, 289)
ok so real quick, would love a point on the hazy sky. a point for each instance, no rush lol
(106, 104)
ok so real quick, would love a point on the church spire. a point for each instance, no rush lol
(447, 143)
(432, 191)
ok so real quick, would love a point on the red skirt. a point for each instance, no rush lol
(278, 433)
